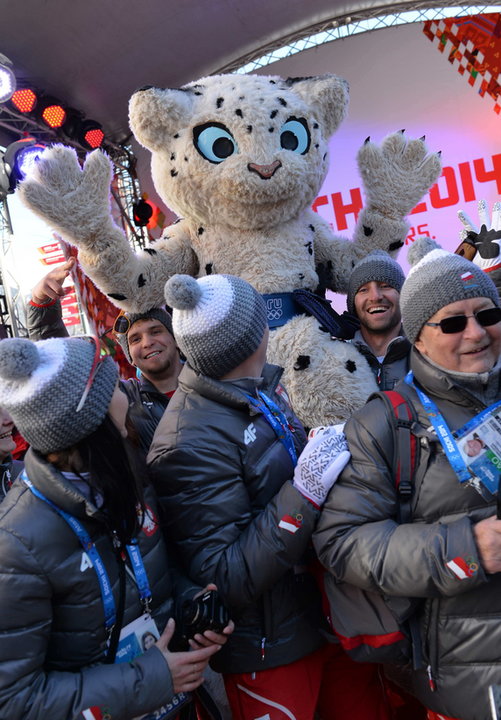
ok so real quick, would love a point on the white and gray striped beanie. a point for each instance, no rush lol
(439, 279)
(41, 385)
(218, 321)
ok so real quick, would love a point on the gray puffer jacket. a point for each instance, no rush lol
(51, 612)
(223, 478)
(359, 541)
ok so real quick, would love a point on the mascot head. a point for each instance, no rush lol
(242, 151)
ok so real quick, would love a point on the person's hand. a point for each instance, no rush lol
(321, 463)
(186, 668)
(50, 287)
(487, 535)
(210, 637)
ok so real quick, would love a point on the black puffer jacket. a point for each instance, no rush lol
(223, 478)
(51, 612)
(9, 470)
(360, 542)
(394, 365)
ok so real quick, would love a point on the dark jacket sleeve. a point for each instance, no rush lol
(358, 538)
(45, 321)
(27, 690)
(208, 513)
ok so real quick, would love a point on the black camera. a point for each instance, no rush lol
(206, 612)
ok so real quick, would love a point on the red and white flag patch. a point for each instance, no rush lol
(291, 523)
(460, 568)
(93, 713)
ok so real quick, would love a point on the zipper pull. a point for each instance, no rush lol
(431, 681)
(263, 640)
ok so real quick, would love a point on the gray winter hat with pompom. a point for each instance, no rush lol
(218, 321)
(377, 266)
(41, 385)
(439, 279)
(154, 314)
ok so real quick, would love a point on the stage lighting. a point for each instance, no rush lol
(141, 213)
(91, 134)
(7, 79)
(51, 112)
(24, 100)
(17, 161)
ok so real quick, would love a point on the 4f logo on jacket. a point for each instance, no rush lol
(250, 434)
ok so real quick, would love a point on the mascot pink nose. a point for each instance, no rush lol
(265, 171)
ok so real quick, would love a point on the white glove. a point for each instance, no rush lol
(321, 462)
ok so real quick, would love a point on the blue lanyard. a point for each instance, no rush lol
(97, 563)
(445, 436)
(276, 418)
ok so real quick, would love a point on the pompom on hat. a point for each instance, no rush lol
(377, 266)
(218, 320)
(43, 383)
(439, 279)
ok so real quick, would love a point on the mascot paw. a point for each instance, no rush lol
(397, 173)
(69, 198)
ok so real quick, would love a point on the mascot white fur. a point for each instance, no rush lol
(240, 159)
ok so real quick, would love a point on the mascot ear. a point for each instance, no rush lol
(156, 114)
(328, 95)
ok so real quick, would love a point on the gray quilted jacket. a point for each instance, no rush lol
(223, 478)
(360, 542)
(51, 613)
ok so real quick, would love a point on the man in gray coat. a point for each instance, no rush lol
(448, 557)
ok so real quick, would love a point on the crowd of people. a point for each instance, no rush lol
(358, 568)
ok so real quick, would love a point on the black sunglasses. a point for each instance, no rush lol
(457, 323)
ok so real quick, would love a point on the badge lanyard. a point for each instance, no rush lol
(445, 436)
(97, 563)
(276, 418)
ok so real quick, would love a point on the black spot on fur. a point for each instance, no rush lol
(241, 97)
(201, 230)
(301, 276)
(368, 231)
(315, 125)
(350, 365)
(150, 251)
(325, 155)
(173, 173)
(173, 156)
(249, 128)
(141, 281)
(395, 245)
(219, 102)
(117, 296)
(197, 92)
(271, 129)
(176, 221)
(272, 82)
(293, 80)
(317, 146)
(239, 113)
(185, 159)
(273, 114)
(309, 245)
(312, 228)
(282, 101)
(176, 136)
(302, 362)
(208, 269)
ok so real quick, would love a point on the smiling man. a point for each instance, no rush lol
(374, 297)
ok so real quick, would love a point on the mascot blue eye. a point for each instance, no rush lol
(295, 136)
(214, 142)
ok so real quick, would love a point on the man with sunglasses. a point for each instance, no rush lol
(448, 555)
(374, 298)
(146, 339)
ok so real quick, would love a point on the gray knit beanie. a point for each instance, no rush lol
(377, 266)
(218, 320)
(439, 279)
(41, 385)
(154, 314)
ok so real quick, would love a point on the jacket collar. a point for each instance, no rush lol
(51, 483)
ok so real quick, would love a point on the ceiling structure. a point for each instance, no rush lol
(93, 55)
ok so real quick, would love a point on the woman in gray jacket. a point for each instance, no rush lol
(449, 556)
(81, 552)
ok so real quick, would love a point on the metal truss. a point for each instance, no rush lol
(12, 317)
(353, 23)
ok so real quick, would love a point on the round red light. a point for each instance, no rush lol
(24, 100)
(54, 116)
(94, 138)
